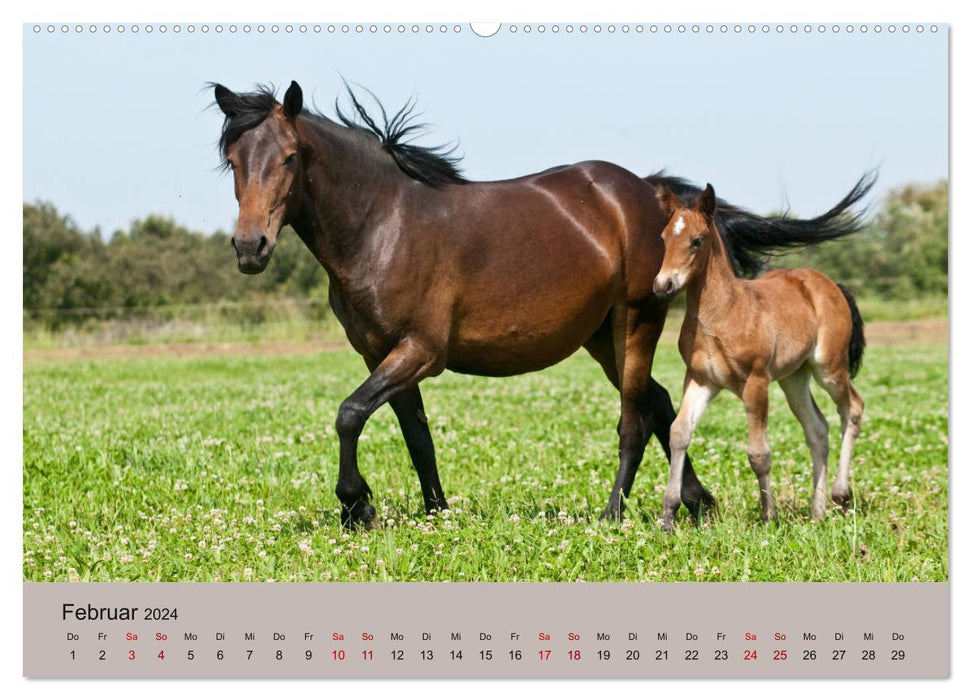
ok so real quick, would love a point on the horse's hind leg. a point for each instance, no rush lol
(850, 406)
(414, 428)
(816, 430)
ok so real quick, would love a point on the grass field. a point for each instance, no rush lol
(222, 468)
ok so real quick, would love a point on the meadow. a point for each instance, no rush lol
(222, 467)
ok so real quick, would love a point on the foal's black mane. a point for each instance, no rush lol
(435, 166)
(751, 240)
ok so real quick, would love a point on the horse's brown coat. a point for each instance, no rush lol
(741, 335)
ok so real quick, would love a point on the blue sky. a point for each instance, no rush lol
(117, 126)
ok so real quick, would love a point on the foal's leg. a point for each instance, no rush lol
(755, 396)
(694, 495)
(414, 427)
(693, 405)
(402, 369)
(850, 405)
(816, 430)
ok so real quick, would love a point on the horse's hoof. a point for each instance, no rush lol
(361, 515)
(666, 524)
(843, 500)
(704, 512)
(612, 514)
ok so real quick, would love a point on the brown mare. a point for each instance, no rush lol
(430, 272)
(740, 335)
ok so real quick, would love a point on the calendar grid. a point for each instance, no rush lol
(346, 630)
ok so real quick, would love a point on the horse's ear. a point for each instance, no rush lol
(706, 202)
(226, 99)
(293, 100)
(667, 200)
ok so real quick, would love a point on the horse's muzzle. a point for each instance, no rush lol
(252, 255)
(665, 287)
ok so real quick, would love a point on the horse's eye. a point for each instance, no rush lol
(289, 159)
(696, 242)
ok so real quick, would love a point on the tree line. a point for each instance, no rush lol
(71, 274)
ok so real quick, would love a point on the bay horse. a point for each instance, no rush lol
(741, 335)
(429, 271)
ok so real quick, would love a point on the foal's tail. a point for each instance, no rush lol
(751, 239)
(857, 341)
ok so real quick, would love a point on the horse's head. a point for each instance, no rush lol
(687, 239)
(260, 144)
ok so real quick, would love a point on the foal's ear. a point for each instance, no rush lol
(293, 100)
(226, 99)
(706, 202)
(667, 200)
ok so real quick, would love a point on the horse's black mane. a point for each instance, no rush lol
(435, 166)
(751, 240)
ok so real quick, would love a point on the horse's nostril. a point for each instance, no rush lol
(263, 244)
(232, 244)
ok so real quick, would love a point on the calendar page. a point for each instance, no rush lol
(513, 350)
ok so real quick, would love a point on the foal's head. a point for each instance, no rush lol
(688, 240)
(260, 144)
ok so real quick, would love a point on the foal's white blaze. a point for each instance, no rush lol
(679, 226)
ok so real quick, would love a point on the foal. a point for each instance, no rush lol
(741, 335)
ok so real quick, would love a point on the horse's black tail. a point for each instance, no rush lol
(857, 341)
(752, 239)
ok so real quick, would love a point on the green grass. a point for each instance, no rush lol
(283, 320)
(873, 309)
(224, 469)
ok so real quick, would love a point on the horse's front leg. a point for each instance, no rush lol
(695, 497)
(696, 399)
(755, 396)
(402, 369)
(414, 427)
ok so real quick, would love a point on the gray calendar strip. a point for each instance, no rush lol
(503, 630)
